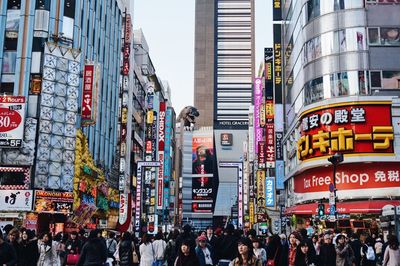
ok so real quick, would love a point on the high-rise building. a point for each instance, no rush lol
(340, 77)
(204, 62)
(224, 72)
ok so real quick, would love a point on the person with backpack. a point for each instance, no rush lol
(368, 254)
(392, 253)
(170, 250)
(111, 243)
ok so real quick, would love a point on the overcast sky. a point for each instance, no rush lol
(168, 26)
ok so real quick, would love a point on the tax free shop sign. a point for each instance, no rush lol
(12, 116)
(356, 180)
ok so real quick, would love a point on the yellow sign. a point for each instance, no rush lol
(150, 117)
(261, 188)
(251, 213)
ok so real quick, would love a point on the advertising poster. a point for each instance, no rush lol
(12, 117)
(202, 155)
(53, 202)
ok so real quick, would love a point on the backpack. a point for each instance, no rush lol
(370, 253)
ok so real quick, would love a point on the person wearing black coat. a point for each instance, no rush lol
(29, 249)
(327, 253)
(73, 244)
(125, 250)
(187, 234)
(94, 252)
(310, 244)
(356, 245)
(226, 246)
(7, 253)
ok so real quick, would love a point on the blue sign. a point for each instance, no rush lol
(332, 210)
(280, 174)
(167, 156)
(270, 192)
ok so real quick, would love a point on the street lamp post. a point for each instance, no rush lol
(335, 160)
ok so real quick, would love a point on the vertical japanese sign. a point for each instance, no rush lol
(260, 188)
(276, 10)
(258, 101)
(270, 192)
(277, 63)
(269, 108)
(167, 156)
(261, 155)
(161, 146)
(88, 99)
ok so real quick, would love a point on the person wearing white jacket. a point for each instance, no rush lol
(146, 251)
(159, 246)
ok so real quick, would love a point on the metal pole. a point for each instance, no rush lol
(334, 190)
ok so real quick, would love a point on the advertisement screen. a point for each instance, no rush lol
(202, 188)
(356, 128)
(202, 155)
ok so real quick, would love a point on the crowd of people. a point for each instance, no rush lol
(204, 248)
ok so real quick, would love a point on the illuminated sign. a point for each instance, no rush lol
(261, 188)
(357, 128)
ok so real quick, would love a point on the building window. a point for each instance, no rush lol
(69, 8)
(316, 8)
(386, 36)
(9, 61)
(43, 4)
(7, 88)
(375, 79)
(12, 23)
(14, 4)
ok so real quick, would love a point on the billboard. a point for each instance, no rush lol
(348, 128)
(53, 202)
(202, 188)
(89, 94)
(167, 155)
(260, 188)
(202, 207)
(277, 63)
(161, 146)
(202, 155)
(356, 180)
(270, 192)
(16, 200)
(12, 116)
(261, 155)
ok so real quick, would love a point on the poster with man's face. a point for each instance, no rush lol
(202, 155)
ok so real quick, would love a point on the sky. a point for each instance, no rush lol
(168, 26)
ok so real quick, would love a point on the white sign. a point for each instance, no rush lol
(16, 200)
(123, 208)
(12, 116)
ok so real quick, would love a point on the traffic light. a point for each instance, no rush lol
(321, 209)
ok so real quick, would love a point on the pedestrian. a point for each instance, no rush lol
(344, 252)
(378, 248)
(368, 254)
(187, 234)
(275, 251)
(111, 244)
(125, 250)
(146, 251)
(294, 241)
(245, 254)
(170, 252)
(186, 255)
(159, 246)
(392, 253)
(304, 236)
(211, 238)
(204, 252)
(356, 245)
(94, 251)
(29, 249)
(13, 237)
(60, 241)
(226, 246)
(303, 255)
(259, 252)
(327, 253)
(7, 252)
(48, 251)
(73, 245)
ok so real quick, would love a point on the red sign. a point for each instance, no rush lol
(87, 97)
(352, 181)
(351, 128)
(161, 126)
(261, 154)
(204, 207)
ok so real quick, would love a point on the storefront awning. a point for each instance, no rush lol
(352, 207)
